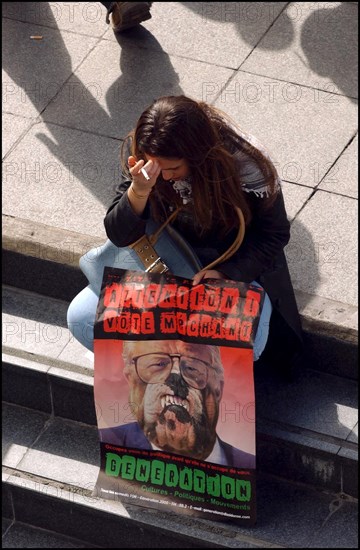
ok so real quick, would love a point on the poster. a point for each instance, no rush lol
(174, 393)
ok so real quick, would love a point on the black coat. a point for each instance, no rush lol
(260, 258)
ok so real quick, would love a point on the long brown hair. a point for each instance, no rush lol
(178, 127)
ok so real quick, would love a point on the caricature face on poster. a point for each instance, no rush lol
(174, 393)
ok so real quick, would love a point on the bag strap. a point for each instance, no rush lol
(234, 246)
(227, 254)
(154, 237)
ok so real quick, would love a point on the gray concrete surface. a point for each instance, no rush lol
(290, 515)
(18, 535)
(286, 72)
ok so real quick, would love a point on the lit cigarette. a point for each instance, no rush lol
(145, 174)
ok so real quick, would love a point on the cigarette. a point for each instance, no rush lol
(145, 174)
(35, 37)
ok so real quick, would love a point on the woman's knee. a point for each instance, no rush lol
(262, 332)
(81, 317)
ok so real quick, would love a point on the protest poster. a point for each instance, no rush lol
(174, 393)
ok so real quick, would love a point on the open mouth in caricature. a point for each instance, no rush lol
(177, 420)
(174, 428)
(170, 400)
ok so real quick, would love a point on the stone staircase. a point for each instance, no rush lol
(306, 429)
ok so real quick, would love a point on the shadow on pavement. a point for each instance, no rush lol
(47, 77)
(328, 35)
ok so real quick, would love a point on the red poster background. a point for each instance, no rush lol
(236, 423)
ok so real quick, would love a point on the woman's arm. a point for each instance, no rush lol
(122, 224)
(126, 217)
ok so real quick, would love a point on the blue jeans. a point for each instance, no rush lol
(82, 311)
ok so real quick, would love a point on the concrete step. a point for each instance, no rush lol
(22, 535)
(306, 429)
(50, 467)
(45, 259)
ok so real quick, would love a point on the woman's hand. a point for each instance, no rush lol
(140, 184)
(207, 274)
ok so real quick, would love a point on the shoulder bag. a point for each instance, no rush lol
(160, 250)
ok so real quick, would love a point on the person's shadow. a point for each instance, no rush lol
(328, 35)
(250, 19)
(329, 39)
(43, 76)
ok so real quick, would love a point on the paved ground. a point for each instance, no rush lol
(286, 72)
